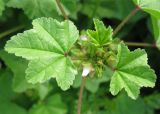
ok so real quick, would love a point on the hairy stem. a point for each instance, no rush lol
(8, 32)
(119, 27)
(137, 44)
(61, 9)
(80, 95)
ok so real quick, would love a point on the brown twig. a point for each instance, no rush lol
(61, 9)
(137, 44)
(119, 27)
(80, 95)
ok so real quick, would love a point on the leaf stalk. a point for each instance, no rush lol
(81, 95)
(10, 31)
(120, 26)
(137, 44)
(61, 9)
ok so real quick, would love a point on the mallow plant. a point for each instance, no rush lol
(58, 50)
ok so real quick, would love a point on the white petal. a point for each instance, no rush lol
(84, 38)
(86, 71)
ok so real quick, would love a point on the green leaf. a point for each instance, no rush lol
(150, 6)
(43, 90)
(47, 45)
(122, 104)
(9, 108)
(156, 30)
(6, 92)
(102, 35)
(60, 68)
(153, 100)
(2, 6)
(53, 105)
(117, 9)
(18, 66)
(37, 8)
(132, 72)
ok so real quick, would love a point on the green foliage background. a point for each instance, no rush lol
(20, 97)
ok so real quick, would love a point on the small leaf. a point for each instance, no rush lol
(132, 72)
(150, 6)
(47, 46)
(102, 36)
(53, 105)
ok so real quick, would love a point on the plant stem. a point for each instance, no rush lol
(136, 44)
(8, 32)
(83, 79)
(80, 95)
(61, 9)
(119, 27)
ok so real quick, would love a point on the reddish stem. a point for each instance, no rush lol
(80, 95)
(119, 27)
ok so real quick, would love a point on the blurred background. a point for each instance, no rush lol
(19, 97)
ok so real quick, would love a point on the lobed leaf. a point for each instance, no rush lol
(61, 68)
(132, 72)
(47, 46)
(102, 35)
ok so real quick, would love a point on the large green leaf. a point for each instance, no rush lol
(18, 66)
(53, 105)
(60, 68)
(44, 8)
(47, 45)
(102, 36)
(156, 30)
(1, 6)
(131, 72)
(150, 6)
